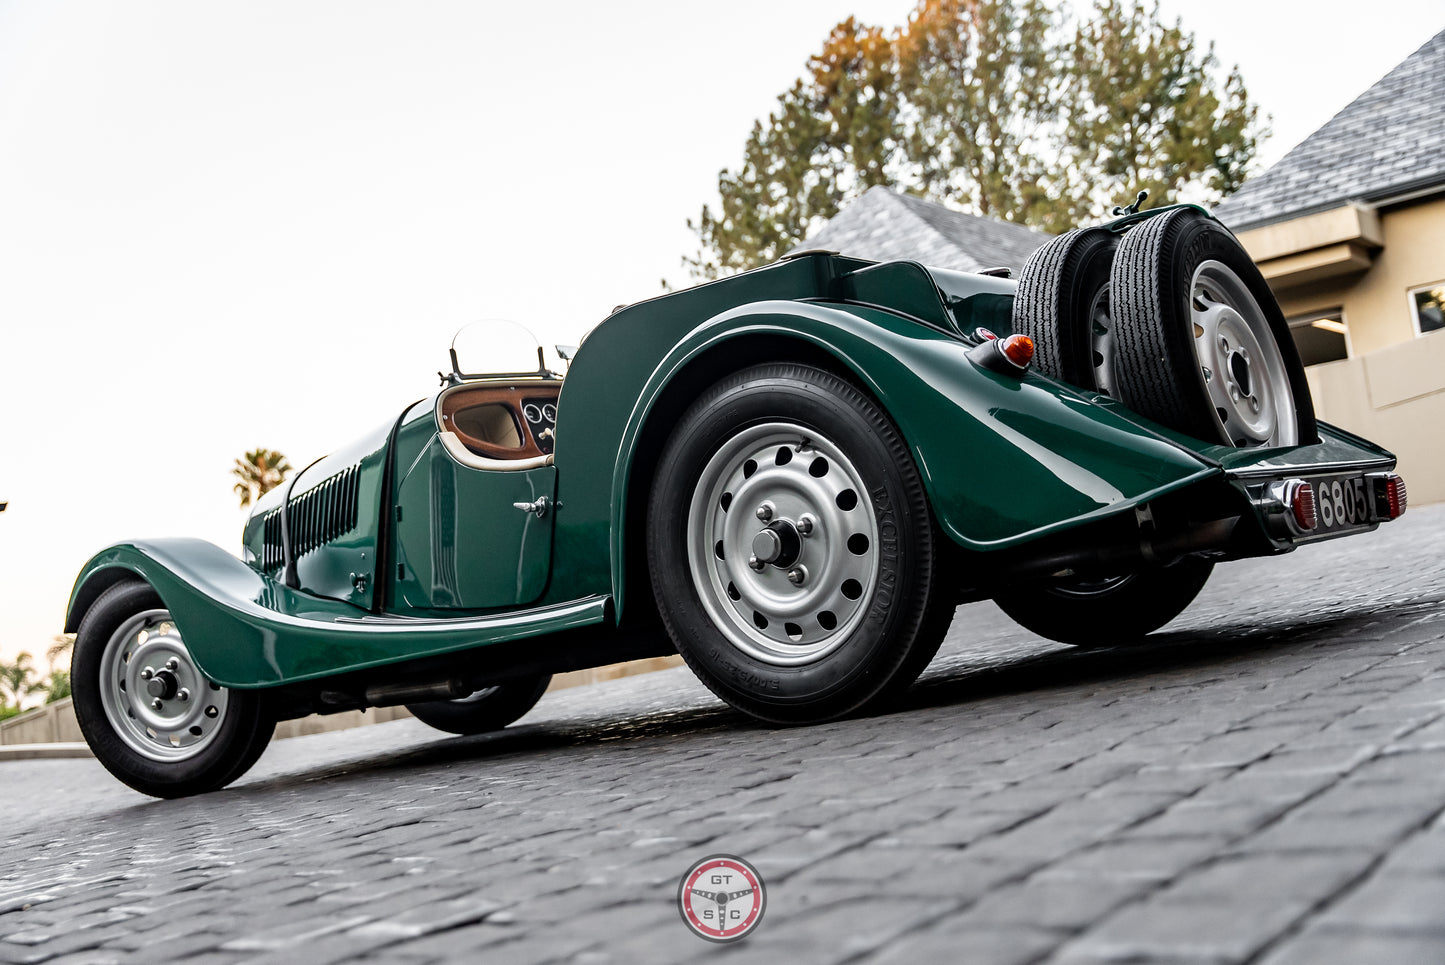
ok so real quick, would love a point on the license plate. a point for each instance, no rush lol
(1341, 502)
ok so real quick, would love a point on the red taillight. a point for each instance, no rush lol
(1302, 504)
(1018, 349)
(1395, 496)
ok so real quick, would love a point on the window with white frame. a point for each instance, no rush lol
(1428, 306)
(1321, 336)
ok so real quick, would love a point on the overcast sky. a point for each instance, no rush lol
(233, 224)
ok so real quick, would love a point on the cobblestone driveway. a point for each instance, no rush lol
(1263, 783)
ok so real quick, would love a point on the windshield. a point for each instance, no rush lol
(493, 347)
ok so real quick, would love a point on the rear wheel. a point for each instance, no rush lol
(1108, 611)
(150, 715)
(490, 708)
(792, 552)
(1200, 343)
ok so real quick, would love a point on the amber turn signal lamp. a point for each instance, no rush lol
(1019, 349)
(1006, 356)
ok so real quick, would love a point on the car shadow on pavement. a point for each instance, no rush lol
(1168, 651)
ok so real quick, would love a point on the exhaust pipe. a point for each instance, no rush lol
(1214, 535)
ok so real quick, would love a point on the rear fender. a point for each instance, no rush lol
(1003, 460)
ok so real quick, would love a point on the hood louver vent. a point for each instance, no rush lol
(318, 516)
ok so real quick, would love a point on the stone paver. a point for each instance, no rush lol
(1264, 782)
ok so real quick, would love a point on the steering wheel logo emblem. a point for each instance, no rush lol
(721, 898)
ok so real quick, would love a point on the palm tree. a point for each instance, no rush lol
(56, 686)
(17, 679)
(259, 472)
(63, 644)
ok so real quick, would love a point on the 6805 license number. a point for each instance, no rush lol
(1341, 502)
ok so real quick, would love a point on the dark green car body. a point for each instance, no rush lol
(408, 561)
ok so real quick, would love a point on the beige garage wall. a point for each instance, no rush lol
(1396, 398)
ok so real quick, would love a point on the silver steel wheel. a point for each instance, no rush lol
(782, 543)
(154, 696)
(1243, 370)
(1101, 342)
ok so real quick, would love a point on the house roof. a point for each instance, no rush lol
(883, 225)
(1389, 141)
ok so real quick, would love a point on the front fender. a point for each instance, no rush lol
(247, 630)
(1003, 460)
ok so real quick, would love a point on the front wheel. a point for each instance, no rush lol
(145, 708)
(793, 556)
(488, 709)
(1111, 611)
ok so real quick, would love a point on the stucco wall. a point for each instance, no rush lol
(1378, 310)
(1394, 397)
(1392, 388)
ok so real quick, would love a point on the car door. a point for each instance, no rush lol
(461, 540)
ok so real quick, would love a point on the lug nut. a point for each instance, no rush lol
(173, 664)
(805, 524)
(183, 694)
(756, 563)
(158, 704)
(765, 512)
(797, 575)
(147, 673)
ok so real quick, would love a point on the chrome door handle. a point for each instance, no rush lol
(538, 507)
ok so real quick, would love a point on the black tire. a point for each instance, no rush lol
(878, 641)
(1063, 305)
(1108, 613)
(229, 742)
(489, 709)
(1172, 273)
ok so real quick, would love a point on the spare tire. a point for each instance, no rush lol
(1200, 343)
(1063, 305)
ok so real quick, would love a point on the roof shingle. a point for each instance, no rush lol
(1388, 141)
(883, 225)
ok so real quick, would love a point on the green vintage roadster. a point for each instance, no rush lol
(792, 477)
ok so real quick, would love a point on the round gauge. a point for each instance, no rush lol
(532, 413)
(549, 412)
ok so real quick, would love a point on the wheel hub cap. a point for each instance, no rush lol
(162, 685)
(778, 544)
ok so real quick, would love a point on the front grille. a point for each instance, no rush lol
(318, 516)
